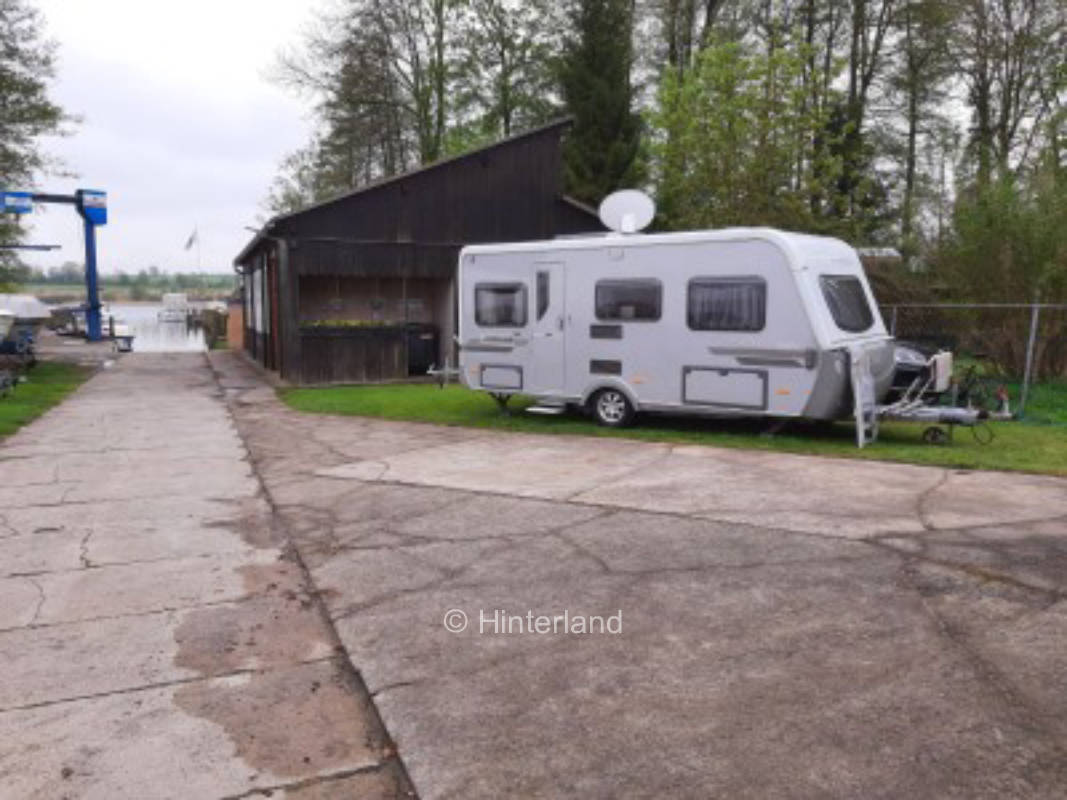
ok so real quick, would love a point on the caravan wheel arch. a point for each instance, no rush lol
(610, 383)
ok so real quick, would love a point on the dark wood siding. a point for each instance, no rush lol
(416, 224)
(374, 259)
(409, 227)
(352, 356)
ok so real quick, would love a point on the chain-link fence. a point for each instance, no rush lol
(1017, 348)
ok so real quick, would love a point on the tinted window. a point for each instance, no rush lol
(847, 302)
(500, 305)
(727, 304)
(542, 294)
(628, 300)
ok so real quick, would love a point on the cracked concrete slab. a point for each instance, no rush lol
(208, 738)
(800, 493)
(104, 656)
(791, 626)
(43, 552)
(158, 636)
(135, 744)
(50, 539)
(985, 498)
(140, 588)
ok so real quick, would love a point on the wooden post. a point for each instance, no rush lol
(291, 366)
(1035, 311)
(406, 369)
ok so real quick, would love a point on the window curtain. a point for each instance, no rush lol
(727, 306)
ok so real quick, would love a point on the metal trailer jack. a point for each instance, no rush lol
(941, 420)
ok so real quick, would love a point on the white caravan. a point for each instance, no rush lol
(744, 321)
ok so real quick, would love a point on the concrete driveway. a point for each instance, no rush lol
(158, 638)
(788, 626)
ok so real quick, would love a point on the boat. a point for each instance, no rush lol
(122, 335)
(175, 308)
(28, 314)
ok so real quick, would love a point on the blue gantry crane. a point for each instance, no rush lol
(91, 205)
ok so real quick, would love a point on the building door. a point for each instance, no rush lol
(548, 330)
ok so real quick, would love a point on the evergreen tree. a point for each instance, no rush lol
(602, 149)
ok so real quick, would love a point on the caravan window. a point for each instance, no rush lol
(847, 302)
(542, 294)
(500, 305)
(628, 300)
(727, 304)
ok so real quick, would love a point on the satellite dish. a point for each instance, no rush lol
(627, 211)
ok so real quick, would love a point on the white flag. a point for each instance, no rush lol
(192, 240)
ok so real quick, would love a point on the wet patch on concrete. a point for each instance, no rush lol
(278, 682)
(301, 721)
(254, 523)
(258, 633)
(1026, 556)
(283, 577)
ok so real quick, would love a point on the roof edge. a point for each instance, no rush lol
(561, 122)
(578, 204)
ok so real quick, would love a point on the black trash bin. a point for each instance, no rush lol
(422, 347)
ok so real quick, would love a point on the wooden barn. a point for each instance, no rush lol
(361, 288)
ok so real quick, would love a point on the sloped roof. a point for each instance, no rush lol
(263, 232)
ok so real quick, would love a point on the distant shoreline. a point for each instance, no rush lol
(54, 293)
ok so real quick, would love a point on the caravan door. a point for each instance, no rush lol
(547, 340)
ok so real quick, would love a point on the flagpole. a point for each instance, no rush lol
(197, 229)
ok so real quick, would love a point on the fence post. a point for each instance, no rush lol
(1035, 311)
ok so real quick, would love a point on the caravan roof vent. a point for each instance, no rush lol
(627, 211)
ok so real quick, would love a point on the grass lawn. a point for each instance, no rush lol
(1016, 446)
(47, 384)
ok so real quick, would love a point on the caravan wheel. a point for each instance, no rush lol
(612, 408)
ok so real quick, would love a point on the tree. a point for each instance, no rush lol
(735, 141)
(381, 73)
(1009, 243)
(303, 181)
(686, 28)
(1010, 56)
(601, 151)
(504, 77)
(414, 36)
(917, 89)
(26, 111)
(860, 194)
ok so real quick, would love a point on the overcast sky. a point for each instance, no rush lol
(180, 125)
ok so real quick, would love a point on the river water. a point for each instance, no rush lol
(153, 336)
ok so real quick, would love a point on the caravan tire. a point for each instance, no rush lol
(612, 408)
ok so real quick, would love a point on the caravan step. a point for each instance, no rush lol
(553, 409)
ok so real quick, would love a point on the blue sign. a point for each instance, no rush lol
(93, 206)
(16, 202)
